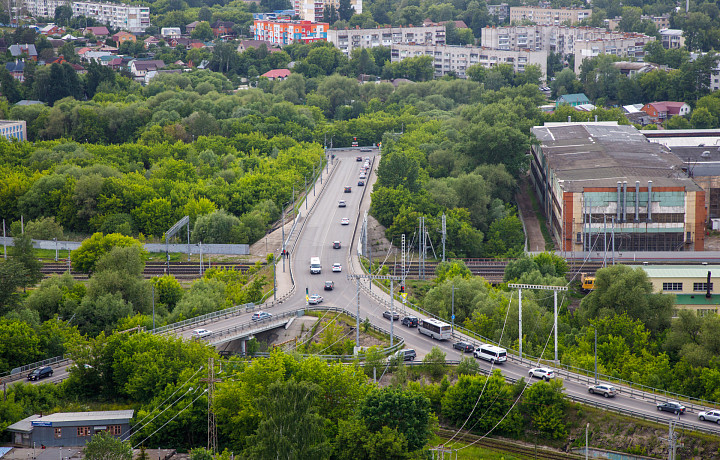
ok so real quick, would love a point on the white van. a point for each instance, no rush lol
(315, 266)
(491, 353)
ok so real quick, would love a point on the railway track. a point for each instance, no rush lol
(519, 450)
(186, 270)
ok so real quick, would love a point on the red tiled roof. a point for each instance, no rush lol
(670, 107)
(276, 73)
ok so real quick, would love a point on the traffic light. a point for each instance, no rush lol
(402, 289)
(307, 291)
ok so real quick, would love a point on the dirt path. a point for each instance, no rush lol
(535, 240)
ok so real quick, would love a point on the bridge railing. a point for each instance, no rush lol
(198, 320)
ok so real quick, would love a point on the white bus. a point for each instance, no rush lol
(436, 329)
(315, 266)
(491, 353)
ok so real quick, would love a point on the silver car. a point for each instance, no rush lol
(710, 416)
(602, 389)
(542, 373)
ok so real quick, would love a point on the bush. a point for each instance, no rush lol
(44, 228)
(434, 363)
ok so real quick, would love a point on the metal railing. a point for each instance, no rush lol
(22, 369)
(203, 319)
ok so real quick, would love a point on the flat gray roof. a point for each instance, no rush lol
(64, 418)
(602, 153)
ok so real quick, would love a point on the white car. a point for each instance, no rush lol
(345, 221)
(710, 416)
(337, 268)
(200, 333)
(542, 373)
(315, 299)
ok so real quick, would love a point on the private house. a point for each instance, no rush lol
(190, 28)
(170, 32)
(98, 31)
(68, 429)
(572, 100)
(276, 74)
(661, 111)
(247, 44)
(16, 69)
(51, 29)
(17, 51)
(221, 28)
(151, 41)
(122, 37)
(140, 68)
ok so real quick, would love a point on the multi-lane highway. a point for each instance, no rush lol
(322, 227)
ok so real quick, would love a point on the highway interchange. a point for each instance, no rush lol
(322, 227)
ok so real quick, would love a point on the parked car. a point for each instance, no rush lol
(40, 373)
(671, 406)
(602, 389)
(261, 315)
(710, 416)
(341, 204)
(361, 183)
(394, 315)
(348, 189)
(329, 285)
(344, 221)
(200, 333)
(542, 373)
(406, 355)
(337, 268)
(464, 347)
(410, 321)
(315, 299)
(336, 245)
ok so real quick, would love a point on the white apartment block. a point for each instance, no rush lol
(631, 46)
(448, 58)
(558, 39)
(349, 39)
(44, 8)
(672, 38)
(312, 10)
(13, 129)
(132, 18)
(540, 15)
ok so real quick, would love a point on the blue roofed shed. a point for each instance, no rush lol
(572, 99)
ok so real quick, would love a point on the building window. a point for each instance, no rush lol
(58, 433)
(706, 311)
(702, 287)
(114, 430)
(83, 431)
(672, 287)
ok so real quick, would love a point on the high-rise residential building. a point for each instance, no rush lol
(540, 15)
(349, 39)
(286, 32)
(133, 18)
(502, 11)
(630, 46)
(457, 59)
(312, 10)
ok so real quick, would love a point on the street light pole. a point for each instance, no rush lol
(282, 224)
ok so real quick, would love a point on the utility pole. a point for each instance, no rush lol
(596, 380)
(672, 440)
(452, 309)
(520, 287)
(392, 296)
(282, 224)
(402, 274)
(443, 235)
(212, 426)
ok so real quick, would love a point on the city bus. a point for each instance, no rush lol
(435, 329)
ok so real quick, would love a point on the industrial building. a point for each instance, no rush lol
(68, 429)
(692, 285)
(605, 186)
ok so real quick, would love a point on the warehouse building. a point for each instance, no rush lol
(693, 285)
(604, 186)
(68, 429)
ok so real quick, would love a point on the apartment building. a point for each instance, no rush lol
(349, 39)
(604, 185)
(133, 18)
(502, 11)
(672, 38)
(44, 8)
(312, 10)
(13, 129)
(286, 32)
(448, 58)
(630, 45)
(540, 15)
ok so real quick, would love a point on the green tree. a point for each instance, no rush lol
(217, 227)
(44, 228)
(406, 412)
(703, 119)
(167, 291)
(104, 446)
(23, 252)
(545, 403)
(290, 426)
(13, 275)
(202, 31)
(93, 248)
(434, 363)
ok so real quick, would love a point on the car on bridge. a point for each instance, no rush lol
(348, 189)
(464, 347)
(410, 321)
(261, 315)
(394, 315)
(341, 204)
(344, 221)
(329, 285)
(336, 245)
(602, 389)
(40, 373)
(710, 416)
(358, 158)
(361, 183)
(315, 299)
(337, 267)
(542, 373)
(671, 406)
(200, 333)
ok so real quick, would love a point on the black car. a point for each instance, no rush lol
(329, 285)
(464, 347)
(361, 183)
(410, 321)
(40, 373)
(348, 190)
(394, 315)
(671, 406)
(358, 158)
